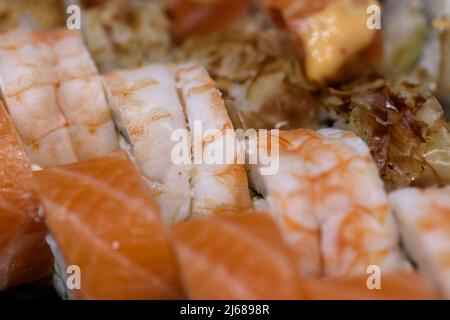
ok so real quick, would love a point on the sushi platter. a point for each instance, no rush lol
(225, 149)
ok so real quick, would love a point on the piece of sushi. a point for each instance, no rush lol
(147, 109)
(235, 257)
(28, 78)
(221, 186)
(24, 254)
(81, 96)
(150, 104)
(331, 204)
(106, 223)
(424, 219)
(54, 95)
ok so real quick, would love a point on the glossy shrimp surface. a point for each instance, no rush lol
(424, 219)
(28, 79)
(55, 97)
(220, 186)
(332, 205)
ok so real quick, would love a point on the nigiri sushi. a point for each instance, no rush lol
(106, 223)
(331, 204)
(28, 79)
(235, 257)
(222, 186)
(43, 77)
(24, 254)
(150, 104)
(424, 219)
(81, 97)
(146, 107)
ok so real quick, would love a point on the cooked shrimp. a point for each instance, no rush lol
(217, 187)
(28, 79)
(81, 97)
(424, 219)
(328, 194)
(146, 106)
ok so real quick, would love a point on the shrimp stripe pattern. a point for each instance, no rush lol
(331, 204)
(53, 94)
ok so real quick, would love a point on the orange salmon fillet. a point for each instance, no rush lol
(105, 221)
(24, 254)
(235, 257)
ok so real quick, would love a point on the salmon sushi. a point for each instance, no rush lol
(424, 220)
(235, 257)
(331, 204)
(24, 254)
(106, 223)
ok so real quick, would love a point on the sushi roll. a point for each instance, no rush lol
(106, 223)
(331, 204)
(424, 219)
(24, 254)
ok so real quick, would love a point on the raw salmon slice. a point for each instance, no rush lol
(403, 286)
(105, 221)
(235, 257)
(24, 255)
